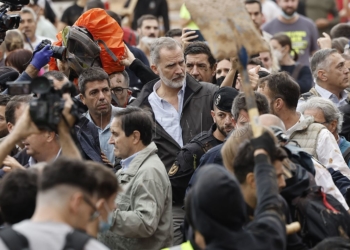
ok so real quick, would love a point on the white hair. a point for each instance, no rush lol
(330, 111)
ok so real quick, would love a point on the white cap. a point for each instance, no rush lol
(40, 3)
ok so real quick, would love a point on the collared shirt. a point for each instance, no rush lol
(327, 150)
(166, 115)
(126, 162)
(32, 161)
(330, 96)
(104, 135)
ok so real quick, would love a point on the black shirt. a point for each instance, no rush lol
(71, 14)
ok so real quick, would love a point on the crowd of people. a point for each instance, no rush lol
(146, 141)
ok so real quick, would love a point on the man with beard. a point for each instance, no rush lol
(301, 30)
(187, 160)
(181, 107)
(95, 93)
(283, 93)
(4, 99)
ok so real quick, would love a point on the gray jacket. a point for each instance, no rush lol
(143, 219)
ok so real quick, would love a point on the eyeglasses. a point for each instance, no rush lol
(118, 90)
(95, 214)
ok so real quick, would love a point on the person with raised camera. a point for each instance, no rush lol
(41, 145)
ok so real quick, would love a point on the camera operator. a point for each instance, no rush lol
(42, 146)
(41, 57)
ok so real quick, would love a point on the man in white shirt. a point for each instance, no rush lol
(322, 177)
(44, 27)
(283, 93)
(331, 75)
(28, 26)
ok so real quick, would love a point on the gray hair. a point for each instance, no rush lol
(330, 111)
(159, 44)
(319, 60)
(30, 11)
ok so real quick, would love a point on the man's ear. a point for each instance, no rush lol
(322, 75)
(74, 202)
(214, 69)
(250, 180)
(50, 136)
(213, 115)
(9, 127)
(154, 69)
(82, 98)
(136, 136)
(333, 126)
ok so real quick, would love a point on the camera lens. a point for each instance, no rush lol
(41, 85)
(59, 52)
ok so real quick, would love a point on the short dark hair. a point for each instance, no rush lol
(240, 104)
(196, 48)
(125, 74)
(19, 59)
(14, 103)
(4, 99)
(340, 30)
(135, 118)
(18, 191)
(90, 75)
(244, 163)
(281, 85)
(115, 16)
(254, 1)
(65, 171)
(107, 182)
(58, 75)
(173, 32)
(94, 4)
(143, 18)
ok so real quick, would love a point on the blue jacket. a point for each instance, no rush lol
(88, 139)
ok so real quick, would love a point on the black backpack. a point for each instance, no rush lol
(187, 160)
(14, 240)
(320, 216)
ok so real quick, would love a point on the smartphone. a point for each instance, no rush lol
(199, 38)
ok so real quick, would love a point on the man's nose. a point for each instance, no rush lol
(102, 95)
(194, 71)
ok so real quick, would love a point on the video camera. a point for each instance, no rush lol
(46, 110)
(9, 22)
(59, 52)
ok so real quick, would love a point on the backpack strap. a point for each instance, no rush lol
(346, 155)
(76, 240)
(296, 71)
(13, 239)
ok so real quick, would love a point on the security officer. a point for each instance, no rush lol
(188, 158)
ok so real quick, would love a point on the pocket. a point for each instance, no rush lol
(123, 206)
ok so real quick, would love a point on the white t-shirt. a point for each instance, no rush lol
(37, 41)
(48, 235)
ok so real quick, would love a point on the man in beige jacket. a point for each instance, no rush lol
(143, 218)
